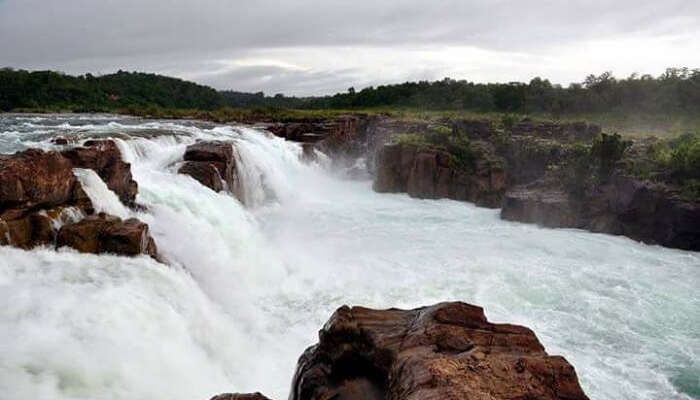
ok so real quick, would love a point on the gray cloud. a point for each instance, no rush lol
(203, 39)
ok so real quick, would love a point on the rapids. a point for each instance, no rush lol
(249, 286)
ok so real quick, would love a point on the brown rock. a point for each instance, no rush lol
(104, 233)
(389, 168)
(34, 178)
(240, 396)
(219, 155)
(204, 172)
(430, 174)
(641, 210)
(104, 157)
(19, 232)
(552, 207)
(42, 230)
(61, 141)
(4, 233)
(446, 351)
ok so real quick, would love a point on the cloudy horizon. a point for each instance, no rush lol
(311, 48)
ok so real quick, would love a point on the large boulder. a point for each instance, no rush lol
(104, 157)
(103, 233)
(213, 164)
(35, 186)
(34, 178)
(203, 172)
(446, 351)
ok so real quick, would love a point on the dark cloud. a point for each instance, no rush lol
(197, 38)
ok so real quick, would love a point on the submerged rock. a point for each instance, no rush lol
(446, 351)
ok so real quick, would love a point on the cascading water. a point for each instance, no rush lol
(250, 286)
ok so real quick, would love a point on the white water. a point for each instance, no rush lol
(250, 287)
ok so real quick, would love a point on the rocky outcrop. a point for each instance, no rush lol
(212, 164)
(104, 157)
(103, 233)
(431, 174)
(446, 351)
(35, 187)
(43, 204)
(35, 179)
(510, 156)
(623, 205)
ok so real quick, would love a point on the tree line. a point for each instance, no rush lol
(21, 89)
(677, 90)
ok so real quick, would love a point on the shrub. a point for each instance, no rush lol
(606, 152)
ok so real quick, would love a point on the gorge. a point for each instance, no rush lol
(255, 267)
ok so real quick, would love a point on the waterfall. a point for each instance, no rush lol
(250, 283)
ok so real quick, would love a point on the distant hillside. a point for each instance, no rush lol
(54, 90)
(677, 91)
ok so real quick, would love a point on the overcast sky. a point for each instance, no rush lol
(306, 47)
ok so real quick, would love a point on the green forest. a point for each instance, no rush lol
(676, 91)
(21, 89)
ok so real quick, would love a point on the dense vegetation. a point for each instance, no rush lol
(677, 91)
(55, 91)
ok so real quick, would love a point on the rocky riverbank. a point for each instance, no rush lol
(532, 171)
(42, 203)
(445, 351)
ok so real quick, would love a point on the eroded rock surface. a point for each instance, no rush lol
(641, 210)
(42, 203)
(36, 186)
(104, 157)
(446, 351)
(212, 164)
(103, 233)
(432, 174)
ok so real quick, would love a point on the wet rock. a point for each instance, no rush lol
(549, 207)
(240, 396)
(215, 154)
(103, 233)
(32, 183)
(34, 178)
(430, 174)
(641, 210)
(61, 141)
(308, 153)
(446, 351)
(204, 172)
(104, 157)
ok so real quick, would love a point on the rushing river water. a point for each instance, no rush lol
(250, 286)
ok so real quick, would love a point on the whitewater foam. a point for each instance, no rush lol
(249, 286)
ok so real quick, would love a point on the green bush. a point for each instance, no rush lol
(683, 158)
(444, 139)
